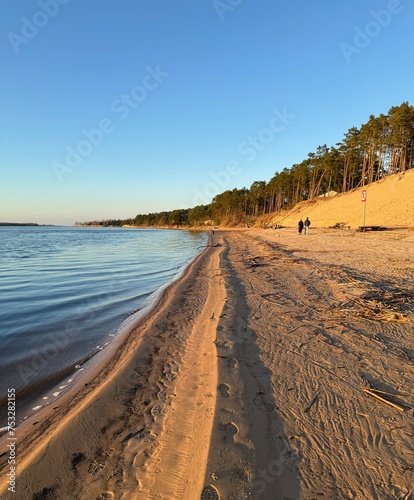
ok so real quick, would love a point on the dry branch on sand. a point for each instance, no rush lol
(376, 394)
(311, 403)
(378, 310)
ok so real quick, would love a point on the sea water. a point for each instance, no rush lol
(64, 293)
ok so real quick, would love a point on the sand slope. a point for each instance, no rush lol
(390, 202)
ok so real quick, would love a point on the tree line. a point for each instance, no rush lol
(382, 146)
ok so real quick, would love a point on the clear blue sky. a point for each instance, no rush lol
(191, 97)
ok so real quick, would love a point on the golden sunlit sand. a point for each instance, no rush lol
(389, 203)
(278, 366)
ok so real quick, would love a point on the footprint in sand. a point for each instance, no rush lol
(230, 431)
(108, 495)
(157, 410)
(224, 390)
(151, 438)
(227, 345)
(232, 362)
(210, 492)
(142, 458)
(95, 467)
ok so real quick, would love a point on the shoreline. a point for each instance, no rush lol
(76, 397)
(38, 387)
(247, 380)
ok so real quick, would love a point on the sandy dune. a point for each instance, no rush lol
(258, 375)
(389, 202)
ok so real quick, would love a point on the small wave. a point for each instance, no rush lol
(96, 280)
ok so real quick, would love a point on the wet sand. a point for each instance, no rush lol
(278, 366)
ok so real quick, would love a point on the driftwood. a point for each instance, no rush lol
(371, 228)
(269, 297)
(383, 392)
(311, 404)
(407, 496)
(340, 225)
(296, 328)
(379, 305)
(373, 393)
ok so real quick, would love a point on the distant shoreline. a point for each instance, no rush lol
(174, 228)
(31, 224)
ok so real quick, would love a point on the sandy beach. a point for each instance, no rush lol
(278, 367)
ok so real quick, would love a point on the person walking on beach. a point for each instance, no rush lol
(300, 226)
(307, 224)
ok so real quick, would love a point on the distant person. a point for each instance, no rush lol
(307, 224)
(300, 226)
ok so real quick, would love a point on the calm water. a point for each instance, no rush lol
(64, 292)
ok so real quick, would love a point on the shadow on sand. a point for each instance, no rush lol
(275, 475)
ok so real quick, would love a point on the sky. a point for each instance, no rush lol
(112, 108)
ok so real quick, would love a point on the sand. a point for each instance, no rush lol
(389, 203)
(247, 381)
(278, 367)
